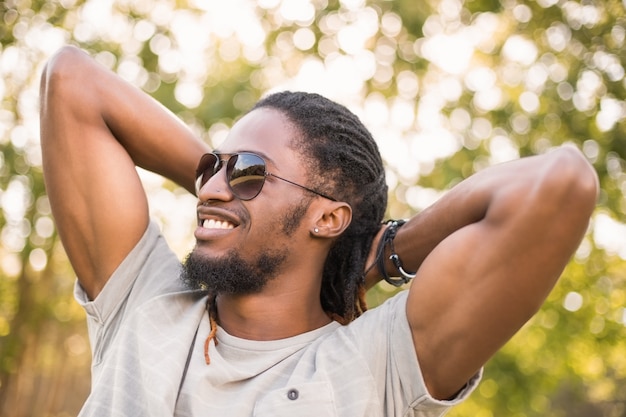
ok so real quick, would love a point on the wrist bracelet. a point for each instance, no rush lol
(387, 239)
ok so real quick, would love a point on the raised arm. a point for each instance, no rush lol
(95, 128)
(487, 254)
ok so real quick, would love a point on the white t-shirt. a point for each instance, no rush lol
(147, 334)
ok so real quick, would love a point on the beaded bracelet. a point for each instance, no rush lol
(387, 239)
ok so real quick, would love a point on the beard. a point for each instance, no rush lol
(231, 274)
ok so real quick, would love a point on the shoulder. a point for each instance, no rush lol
(380, 330)
(391, 310)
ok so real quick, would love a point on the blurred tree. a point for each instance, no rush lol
(447, 86)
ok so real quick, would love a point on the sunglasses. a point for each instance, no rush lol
(245, 172)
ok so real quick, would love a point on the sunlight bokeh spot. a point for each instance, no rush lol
(610, 64)
(366, 65)
(547, 3)
(433, 144)
(460, 119)
(340, 71)
(579, 15)
(408, 84)
(449, 88)
(588, 85)
(300, 11)
(304, 39)
(160, 44)
(143, 30)
(520, 123)
(520, 49)
(16, 199)
(522, 13)
(488, 100)
(618, 33)
(502, 149)
(449, 9)
(529, 102)
(558, 36)
(170, 61)
(610, 235)
(230, 49)
(44, 226)
(480, 78)
(267, 4)
(481, 128)
(557, 72)
(565, 90)
(611, 112)
(420, 198)
(402, 113)
(584, 250)
(486, 31)
(190, 32)
(376, 111)
(19, 137)
(218, 132)
(352, 4)
(132, 71)
(573, 301)
(391, 24)
(536, 78)
(11, 264)
(326, 46)
(38, 259)
(458, 54)
(352, 38)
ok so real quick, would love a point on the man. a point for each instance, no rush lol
(268, 318)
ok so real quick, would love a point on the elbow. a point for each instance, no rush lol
(65, 83)
(60, 72)
(576, 179)
(564, 194)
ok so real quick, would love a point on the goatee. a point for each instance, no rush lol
(231, 274)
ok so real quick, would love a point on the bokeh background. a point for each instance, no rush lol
(448, 87)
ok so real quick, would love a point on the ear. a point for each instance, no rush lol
(333, 219)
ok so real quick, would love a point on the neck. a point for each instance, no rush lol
(267, 316)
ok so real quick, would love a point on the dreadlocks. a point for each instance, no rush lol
(344, 161)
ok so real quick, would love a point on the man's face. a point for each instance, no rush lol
(241, 245)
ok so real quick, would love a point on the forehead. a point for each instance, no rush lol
(265, 131)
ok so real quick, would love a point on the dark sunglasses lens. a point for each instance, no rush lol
(246, 175)
(206, 169)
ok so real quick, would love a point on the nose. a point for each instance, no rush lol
(216, 188)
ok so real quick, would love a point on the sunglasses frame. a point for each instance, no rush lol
(220, 163)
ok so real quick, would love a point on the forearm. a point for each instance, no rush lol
(152, 136)
(424, 231)
(486, 193)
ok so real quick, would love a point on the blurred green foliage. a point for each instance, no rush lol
(483, 81)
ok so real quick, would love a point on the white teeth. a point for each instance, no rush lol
(216, 224)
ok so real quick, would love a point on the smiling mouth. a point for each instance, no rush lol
(216, 224)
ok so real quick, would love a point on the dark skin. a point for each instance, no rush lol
(267, 133)
(486, 254)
